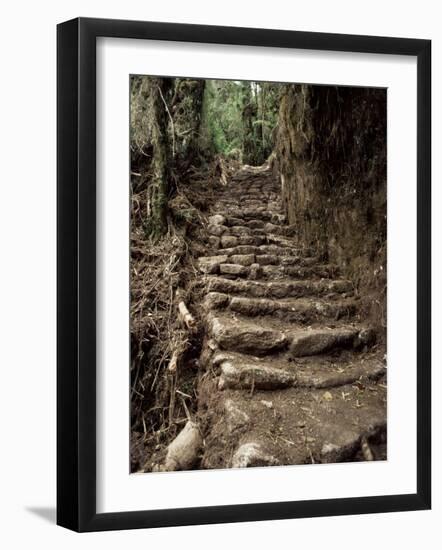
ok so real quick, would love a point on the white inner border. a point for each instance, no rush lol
(116, 489)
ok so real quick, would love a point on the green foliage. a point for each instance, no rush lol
(239, 118)
(222, 129)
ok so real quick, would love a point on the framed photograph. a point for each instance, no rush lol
(243, 255)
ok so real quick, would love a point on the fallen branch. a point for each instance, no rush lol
(173, 363)
(171, 383)
(183, 452)
(185, 315)
(366, 451)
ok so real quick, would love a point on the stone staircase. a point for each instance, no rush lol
(292, 374)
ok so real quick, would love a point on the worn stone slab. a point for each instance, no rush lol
(254, 272)
(257, 213)
(251, 454)
(232, 334)
(240, 249)
(214, 242)
(242, 259)
(314, 342)
(300, 310)
(268, 259)
(253, 240)
(215, 300)
(272, 228)
(327, 378)
(210, 264)
(278, 219)
(299, 272)
(216, 229)
(235, 375)
(216, 219)
(239, 230)
(282, 289)
(228, 241)
(234, 269)
(255, 224)
(232, 220)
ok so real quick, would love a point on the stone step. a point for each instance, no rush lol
(247, 206)
(263, 213)
(234, 202)
(255, 200)
(255, 224)
(210, 264)
(245, 336)
(244, 372)
(230, 241)
(316, 341)
(232, 220)
(254, 376)
(261, 187)
(262, 265)
(255, 197)
(284, 248)
(278, 220)
(271, 272)
(325, 271)
(244, 249)
(217, 230)
(271, 228)
(216, 219)
(301, 311)
(285, 241)
(291, 257)
(232, 334)
(285, 260)
(252, 199)
(266, 249)
(234, 270)
(280, 289)
(238, 230)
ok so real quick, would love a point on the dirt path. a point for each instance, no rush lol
(292, 374)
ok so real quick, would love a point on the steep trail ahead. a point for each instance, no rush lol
(292, 374)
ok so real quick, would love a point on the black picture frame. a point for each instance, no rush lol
(77, 287)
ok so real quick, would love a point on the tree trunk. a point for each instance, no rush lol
(158, 187)
(249, 112)
(263, 116)
(187, 105)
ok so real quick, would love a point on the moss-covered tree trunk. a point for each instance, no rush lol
(158, 188)
(187, 107)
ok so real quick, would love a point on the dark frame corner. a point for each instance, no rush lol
(76, 292)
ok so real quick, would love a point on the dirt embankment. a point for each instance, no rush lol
(331, 157)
